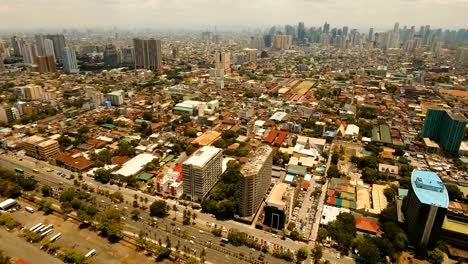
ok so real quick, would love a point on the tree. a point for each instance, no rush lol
(192, 260)
(7, 221)
(117, 197)
(194, 216)
(135, 214)
(102, 175)
(302, 254)
(158, 208)
(454, 192)
(110, 225)
(46, 190)
(291, 226)
(390, 194)
(147, 116)
(163, 253)
(343, 230)
(317, 254)
(125, 149)
(45, 206)
(367, 249)
(369, 175)
(436, 256)
(322, 234)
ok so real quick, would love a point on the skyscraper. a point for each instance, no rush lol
(301, 32)
(45, 64)
(201, 172)
(28, 51)
(2, 64)
(255, 180)
(49, 48)
(326, 28)
(40, 45)
(15, 46)
(70, 64)
(147, 54)
(111, 56)
(425, 208)
(59, 46)
(371, 34)
(446, 128)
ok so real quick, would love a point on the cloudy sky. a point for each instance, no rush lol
(202, 14)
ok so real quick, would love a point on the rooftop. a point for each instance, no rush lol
(202, 156)
(33, 139)
(256, 162)
(276, 196)
(429, 188)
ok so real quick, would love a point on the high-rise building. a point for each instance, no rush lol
(40, 44)
(59, 46)
(15, 46)
(326, 28)
(30, 91)
(45, 64)
(255, 180)
(29, 52)
(281, 42)
(49, 49)
(268, 40)
(128, 56)
(2, 64)
(425, 209)
(301, 32)
(446, 128)
(41, 148)
(70, 65)
(222, 60)
(111, 56)
(148, 54)
(201, 172)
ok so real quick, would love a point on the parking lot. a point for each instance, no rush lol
(81, 240)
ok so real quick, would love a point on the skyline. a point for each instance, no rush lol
(241, 14)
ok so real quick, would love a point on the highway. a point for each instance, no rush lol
(214, 252)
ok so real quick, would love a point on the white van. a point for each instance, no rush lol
(29, 209)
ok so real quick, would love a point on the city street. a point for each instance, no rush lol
(50, 178)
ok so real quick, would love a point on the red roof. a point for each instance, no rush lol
(178, 167)
(367, 225)
(305, 185)
(21, 261)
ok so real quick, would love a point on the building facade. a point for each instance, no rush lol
(70, 65)
(59, 45)
(425, 209)
(446, 128)
(201, 172)
(148, 54)
(255, 180)
(40, 148)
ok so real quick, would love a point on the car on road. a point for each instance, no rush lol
(191, 242)
(222, 244)
(49, 170)
(35, 170)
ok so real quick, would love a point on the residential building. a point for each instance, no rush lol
(70, 65)
(116, 97)
(255, 180)
(425, 209)
(111, 56)
(59, 46)
(40, 148)
(45, 64)
(147, 54)
(201, 172)
(446, 128)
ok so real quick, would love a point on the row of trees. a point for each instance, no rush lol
(12, 185)
(223, 198)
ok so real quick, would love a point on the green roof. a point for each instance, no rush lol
(385, 135)
(145, 176)
(109, 126)
(168, 158)
(181, 158)
(297, 170)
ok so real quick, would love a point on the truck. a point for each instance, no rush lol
(90, 253)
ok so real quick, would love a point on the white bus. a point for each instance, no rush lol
(37, 229)
(46, 233)
(91, 253)
(56, 237)
(45, 228)
(29, 209)
(34, 227)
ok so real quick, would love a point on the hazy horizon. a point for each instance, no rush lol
(229, 14)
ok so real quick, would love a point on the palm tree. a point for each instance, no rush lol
(194, 216)
(202, 255)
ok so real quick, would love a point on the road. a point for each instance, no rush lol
(215, 256)
(318, 214)
(17, 248)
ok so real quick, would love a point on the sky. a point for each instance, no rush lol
(205, 14)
